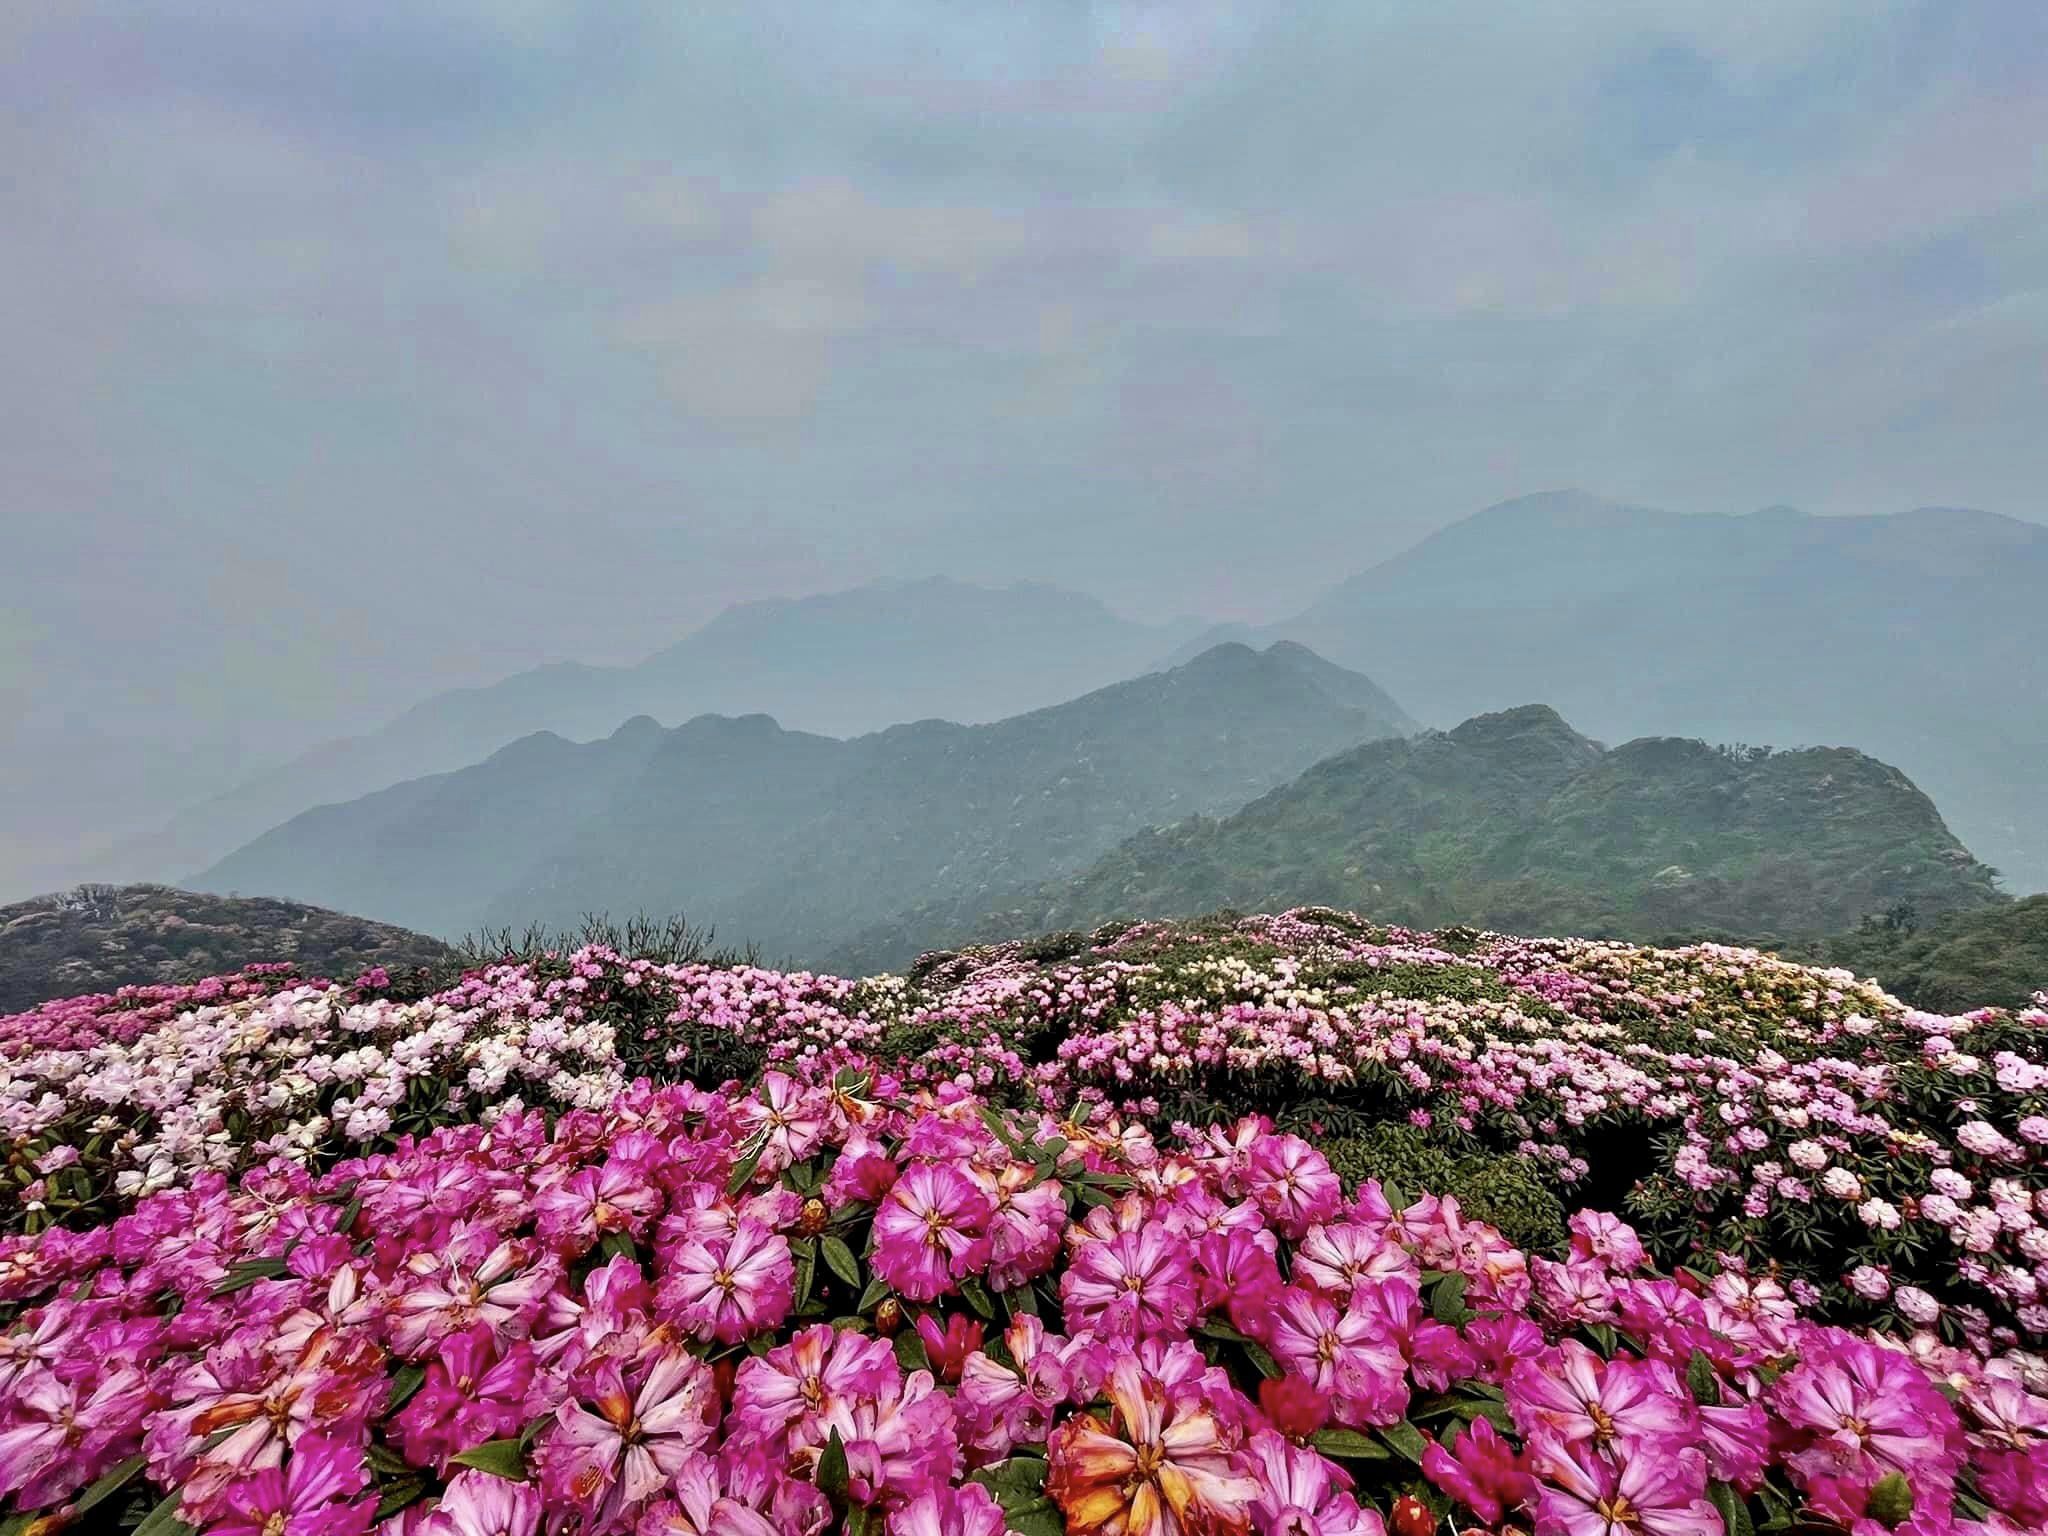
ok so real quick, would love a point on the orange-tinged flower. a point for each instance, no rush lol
(1161, 1468)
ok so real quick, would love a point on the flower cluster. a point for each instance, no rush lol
(1891, 1165)
(852, 1303)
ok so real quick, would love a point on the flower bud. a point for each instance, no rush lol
(811, 1219)
(1891, 1500)
(888, 1317)
(1411, 1517)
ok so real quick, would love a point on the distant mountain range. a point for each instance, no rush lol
(796, 840)
(1920, 637)
(839, 664)
(1515, 821)
(98, 938)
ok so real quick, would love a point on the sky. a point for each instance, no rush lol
(357, 351)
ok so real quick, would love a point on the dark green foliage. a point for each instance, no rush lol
(666, 941)
(801, 842)
(1996, 958)
(101, 937)
(1507, 1192)
(1517, 823)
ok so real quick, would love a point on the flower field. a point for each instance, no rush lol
(1096, 1234)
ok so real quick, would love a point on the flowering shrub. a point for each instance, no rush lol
(851, 1304)
(1890, 1167)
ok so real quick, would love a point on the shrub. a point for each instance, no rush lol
(1504, 1192)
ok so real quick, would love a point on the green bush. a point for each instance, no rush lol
(1505, 1192)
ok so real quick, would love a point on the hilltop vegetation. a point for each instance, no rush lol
(1517, 822)
(99, 937)
(1995, 957)
(1918, 637)
(795, 841)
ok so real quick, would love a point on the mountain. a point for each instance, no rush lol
(1516, 821)
(98, 938)
(1992, 957)
(838, 664)
(1921, 637)
(796, 840)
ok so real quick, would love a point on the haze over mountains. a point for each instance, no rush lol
(1515, 821)
(1921, 638)
(797, 840)
(840, 663)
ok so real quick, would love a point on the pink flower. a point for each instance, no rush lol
(1348, 1355)
(788, 1117)
(1024, 1232)
(478, 1504)
(1658, 1493)
(930, 1230)
(948, 1348)
(311, 1495)
(1294, 1406)
(899, 1442)
(572, 1212)
(1865, 1411)
(60, 1435)
(731, 1286)
(469, 1396)
(791, 1387)
(1138, 1281)
(734, 1494)
(611, 1455)
(1302, 1494)
(964, 1511)
(1003, 1406)
(1608, 1241)
(1572, 1395)
(1482, 1469)
(1293, 1184)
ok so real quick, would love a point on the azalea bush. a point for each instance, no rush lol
(1890, 1167)
(838, 1302)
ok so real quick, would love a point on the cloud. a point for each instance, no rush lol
(400, 345)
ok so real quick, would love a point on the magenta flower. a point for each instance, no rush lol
(733, 1495)
(948, 1347)
(610, 1455)
(478, 1504)
(899, 1443)
(470, 1395)
(1003, 1406)
(730, 1287)
(1293, 1184)
(1302, 1494)
(313, 1494)
(573, 1212)
(1024, 1231)
(1865, 1411)
(930, 1230)
(59, 1435)
(787, 1390)
(1572, 1395)
(1347, 1355)
(788, 1118)
(1481, 1469)
(1657, 1493)
(1138, 1281)
(965, 1511)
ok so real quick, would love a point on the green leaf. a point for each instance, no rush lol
(1023, 1475)
(617, 1245)
(398, 1496)
(1703, 1380)
(1261, 1361)
(1214, 1328)
(872, 1296)
(1020, 1301)
(539, 1422)
(1734, 1510)
(910, 1351)
(163, 1520)
(839, 1259)
(860, 1520)
(1603, 1335)
(1349, 1445)
(405, 1381)
(832, 1477)
(1407, 1439)
(500, 1458)
(241, 1276)
(109, 1483)
(1018, 1486)
(14, 1525)
(806, 1275)
(1447, 1304)
(977, 1296)
(745, 1170)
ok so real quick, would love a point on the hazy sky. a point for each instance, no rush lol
(357, 349)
